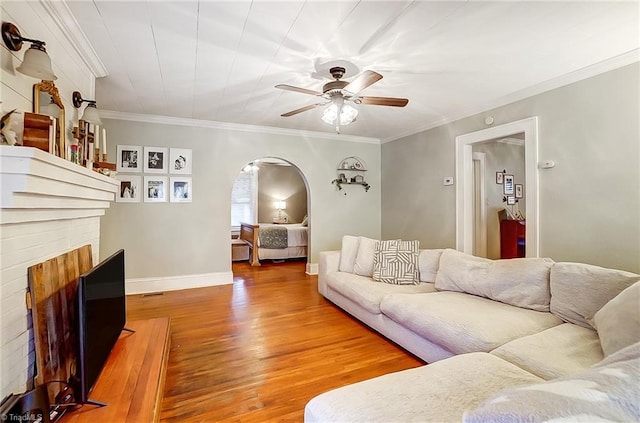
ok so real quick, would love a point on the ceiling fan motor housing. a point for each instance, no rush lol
(333, 86)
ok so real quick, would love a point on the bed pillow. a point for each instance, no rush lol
(364, 259)
(305, 221)
(348, 253)
(618, 322)
(396, 262)
(521, 282)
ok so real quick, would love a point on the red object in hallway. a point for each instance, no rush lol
(512, 238)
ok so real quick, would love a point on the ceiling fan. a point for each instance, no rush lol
(337, 95)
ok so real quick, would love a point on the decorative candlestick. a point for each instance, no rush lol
(104, 157)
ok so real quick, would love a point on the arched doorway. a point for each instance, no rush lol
(272, 194)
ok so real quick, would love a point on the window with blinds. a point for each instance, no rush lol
(244, 199)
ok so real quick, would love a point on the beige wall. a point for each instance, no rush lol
(170, 239)
(589, 203)
(275, 183)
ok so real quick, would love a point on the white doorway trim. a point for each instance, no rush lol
(479, 206)
(464, 176)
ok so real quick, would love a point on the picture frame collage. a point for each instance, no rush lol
(512, 191)
(142, 172)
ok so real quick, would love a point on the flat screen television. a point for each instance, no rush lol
(101, 319)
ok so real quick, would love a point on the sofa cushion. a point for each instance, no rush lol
(606, 392)
(428, 263)
(364, 259)
(522, 282)
(579, 290)
(396, 262)
(464, 323)
(348, 253)
(562, 350)
(618, 322)
(367, 293)
(439, 392)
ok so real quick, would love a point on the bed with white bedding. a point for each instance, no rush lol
(274, 241)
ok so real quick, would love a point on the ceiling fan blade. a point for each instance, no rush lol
(362, 81)
(300, 110)
(297, 89)
(384, 101)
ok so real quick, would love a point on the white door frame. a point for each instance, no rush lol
(464, 176)
(480, 232)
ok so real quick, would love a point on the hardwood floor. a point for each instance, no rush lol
(259, 349)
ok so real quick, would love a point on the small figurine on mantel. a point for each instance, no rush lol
(12, 127)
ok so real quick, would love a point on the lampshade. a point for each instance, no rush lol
(52, 109)
(281, 205)
(91, 114)
(36, 63)
(348, 114)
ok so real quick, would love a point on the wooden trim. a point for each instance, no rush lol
(249, 233)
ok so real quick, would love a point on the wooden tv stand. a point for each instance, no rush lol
(132, 380)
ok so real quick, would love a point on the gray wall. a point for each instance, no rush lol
(589, 203)
(276, 183)
(174, 239)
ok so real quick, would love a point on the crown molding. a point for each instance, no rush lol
(62, 16)
(610, 64)
(170, 120)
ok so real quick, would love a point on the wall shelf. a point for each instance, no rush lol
(351, 171)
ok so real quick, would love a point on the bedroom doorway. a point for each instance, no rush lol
(527, 129)
(271, 194)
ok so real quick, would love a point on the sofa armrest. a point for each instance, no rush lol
(329, 262)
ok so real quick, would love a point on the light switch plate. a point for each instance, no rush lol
(448, 181)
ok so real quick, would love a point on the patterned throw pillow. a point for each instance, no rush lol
(396, 262)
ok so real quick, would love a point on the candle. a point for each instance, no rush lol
(104, 140)
(96, 131)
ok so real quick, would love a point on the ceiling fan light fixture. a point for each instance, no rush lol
(348, 114)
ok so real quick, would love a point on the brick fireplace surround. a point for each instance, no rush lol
(48, 206)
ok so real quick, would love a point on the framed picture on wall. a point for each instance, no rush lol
(511, 200)
(155, 189)
(508, 185)
(519, 191)
(130, 187)
(181, 189)
(155, 159)
(129, 158)
(499, 176)
(180, 161)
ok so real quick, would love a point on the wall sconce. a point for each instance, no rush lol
(36, 61)
(90, 112)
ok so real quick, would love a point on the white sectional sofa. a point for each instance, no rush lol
(489, 328)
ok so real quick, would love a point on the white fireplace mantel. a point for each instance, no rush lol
(48, 206)
(37, 186)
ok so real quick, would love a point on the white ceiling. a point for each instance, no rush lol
(219, 60)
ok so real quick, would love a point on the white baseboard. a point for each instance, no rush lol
(172, 283)
(312, 269)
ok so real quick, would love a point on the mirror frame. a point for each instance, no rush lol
(50, 88)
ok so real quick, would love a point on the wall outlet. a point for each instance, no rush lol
(448, 181)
